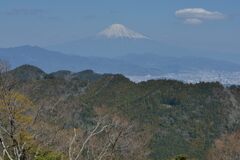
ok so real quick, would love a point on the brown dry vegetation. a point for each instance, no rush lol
(226, 147)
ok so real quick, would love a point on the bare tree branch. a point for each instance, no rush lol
(94, 132)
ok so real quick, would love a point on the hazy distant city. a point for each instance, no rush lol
(226, 78)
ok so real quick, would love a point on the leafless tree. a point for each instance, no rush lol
(12, 119)
(111, 137)
(107, 140)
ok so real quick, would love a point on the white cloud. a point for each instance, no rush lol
(198, 15)
(193, 21)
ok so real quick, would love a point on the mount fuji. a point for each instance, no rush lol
(115, 40)
(120, 31)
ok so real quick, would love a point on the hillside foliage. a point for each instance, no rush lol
(92, 116)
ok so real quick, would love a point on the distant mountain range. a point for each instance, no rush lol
(51, 61)
(131, 64)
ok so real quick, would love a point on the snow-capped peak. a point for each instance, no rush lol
(120, 31)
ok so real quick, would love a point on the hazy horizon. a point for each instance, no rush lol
(208, 28)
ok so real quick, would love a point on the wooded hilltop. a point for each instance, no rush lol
(91, 116)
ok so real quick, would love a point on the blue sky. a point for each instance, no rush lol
(49, 22)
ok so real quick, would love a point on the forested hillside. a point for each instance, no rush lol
(85, 115)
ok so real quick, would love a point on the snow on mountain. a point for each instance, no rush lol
(113, 41)
(120, 31)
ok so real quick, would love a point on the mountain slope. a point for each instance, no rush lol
(182, 118)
